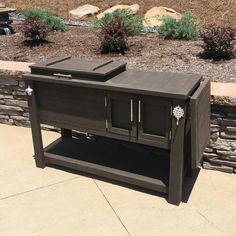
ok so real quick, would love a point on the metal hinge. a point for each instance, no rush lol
(106, 124)
(171, 111)
(105, 101)
(170, 135)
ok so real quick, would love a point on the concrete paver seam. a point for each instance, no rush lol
(207, 220)
(39, 188)
(103, 194)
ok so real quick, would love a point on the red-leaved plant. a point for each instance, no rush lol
(113, 36)
(37, 30)
(218, 42)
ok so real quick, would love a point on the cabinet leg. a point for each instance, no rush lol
(177, 158)
(38, 146)
(188, 156)
(66, 133)
(36, 129)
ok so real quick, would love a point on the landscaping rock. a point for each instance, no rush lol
(19, 118)
(229, 122)
(231, 115)
(225, 153)
(229, 158)
(19, 103)
(209, 156)
(223, 100)
(10, 112)
(19, 93)
(154, 16)
(223, 162)
(24, 123)
(216, 121)
(7, 122)
(207, 165)
(221, 144)
(10, 108)
(217, 115)
(227, 136)
(209, 150)
(8, 82)
(215, 129)
(5, 90)
(3, 96)
(215, 136)
(4, 117)
(230, 129)
(26, 114)
(133, 9)
(84, 11)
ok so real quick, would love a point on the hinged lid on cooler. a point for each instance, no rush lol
(75, 68)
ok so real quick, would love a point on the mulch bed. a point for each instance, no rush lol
(207, 11)
(147, 52)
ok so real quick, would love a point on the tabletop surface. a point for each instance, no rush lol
(165, 84)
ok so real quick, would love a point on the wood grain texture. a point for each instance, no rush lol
(200, 121)
(162, 84)
(35, 127)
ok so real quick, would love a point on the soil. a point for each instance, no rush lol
(207, 11)
(147, 52)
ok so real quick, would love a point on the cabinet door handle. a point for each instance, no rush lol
(62, 75)
(139, 111)
(131, 110)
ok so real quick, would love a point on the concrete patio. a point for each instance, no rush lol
(57, 202)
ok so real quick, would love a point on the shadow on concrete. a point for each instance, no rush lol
(188, 185)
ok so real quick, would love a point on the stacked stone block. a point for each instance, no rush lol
(220, 153)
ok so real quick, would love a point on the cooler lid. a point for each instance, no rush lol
(78, 68)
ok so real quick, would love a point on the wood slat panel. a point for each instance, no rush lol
(200, 121)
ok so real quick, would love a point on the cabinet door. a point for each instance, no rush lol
(154, 116)
(121, 114)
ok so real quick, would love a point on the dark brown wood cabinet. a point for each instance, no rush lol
(167, 113)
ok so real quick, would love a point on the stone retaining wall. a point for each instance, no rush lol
(13, 104)
(220, 153)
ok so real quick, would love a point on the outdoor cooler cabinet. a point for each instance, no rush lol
(162, 121)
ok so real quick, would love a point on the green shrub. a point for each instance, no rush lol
(218, 42)
(133, 24)
(113, 36)
(185, 28)
(40, 22)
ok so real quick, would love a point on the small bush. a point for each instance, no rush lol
(218, 42)
(40, 22)
(133, 24)
(113, 36)
(185, 28)
(36, 30)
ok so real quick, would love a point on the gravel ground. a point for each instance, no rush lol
(147, 52)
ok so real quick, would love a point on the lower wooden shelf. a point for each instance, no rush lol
(130, 163)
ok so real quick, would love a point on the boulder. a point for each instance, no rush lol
(85, 10)
(154, 16)
(133, 9)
